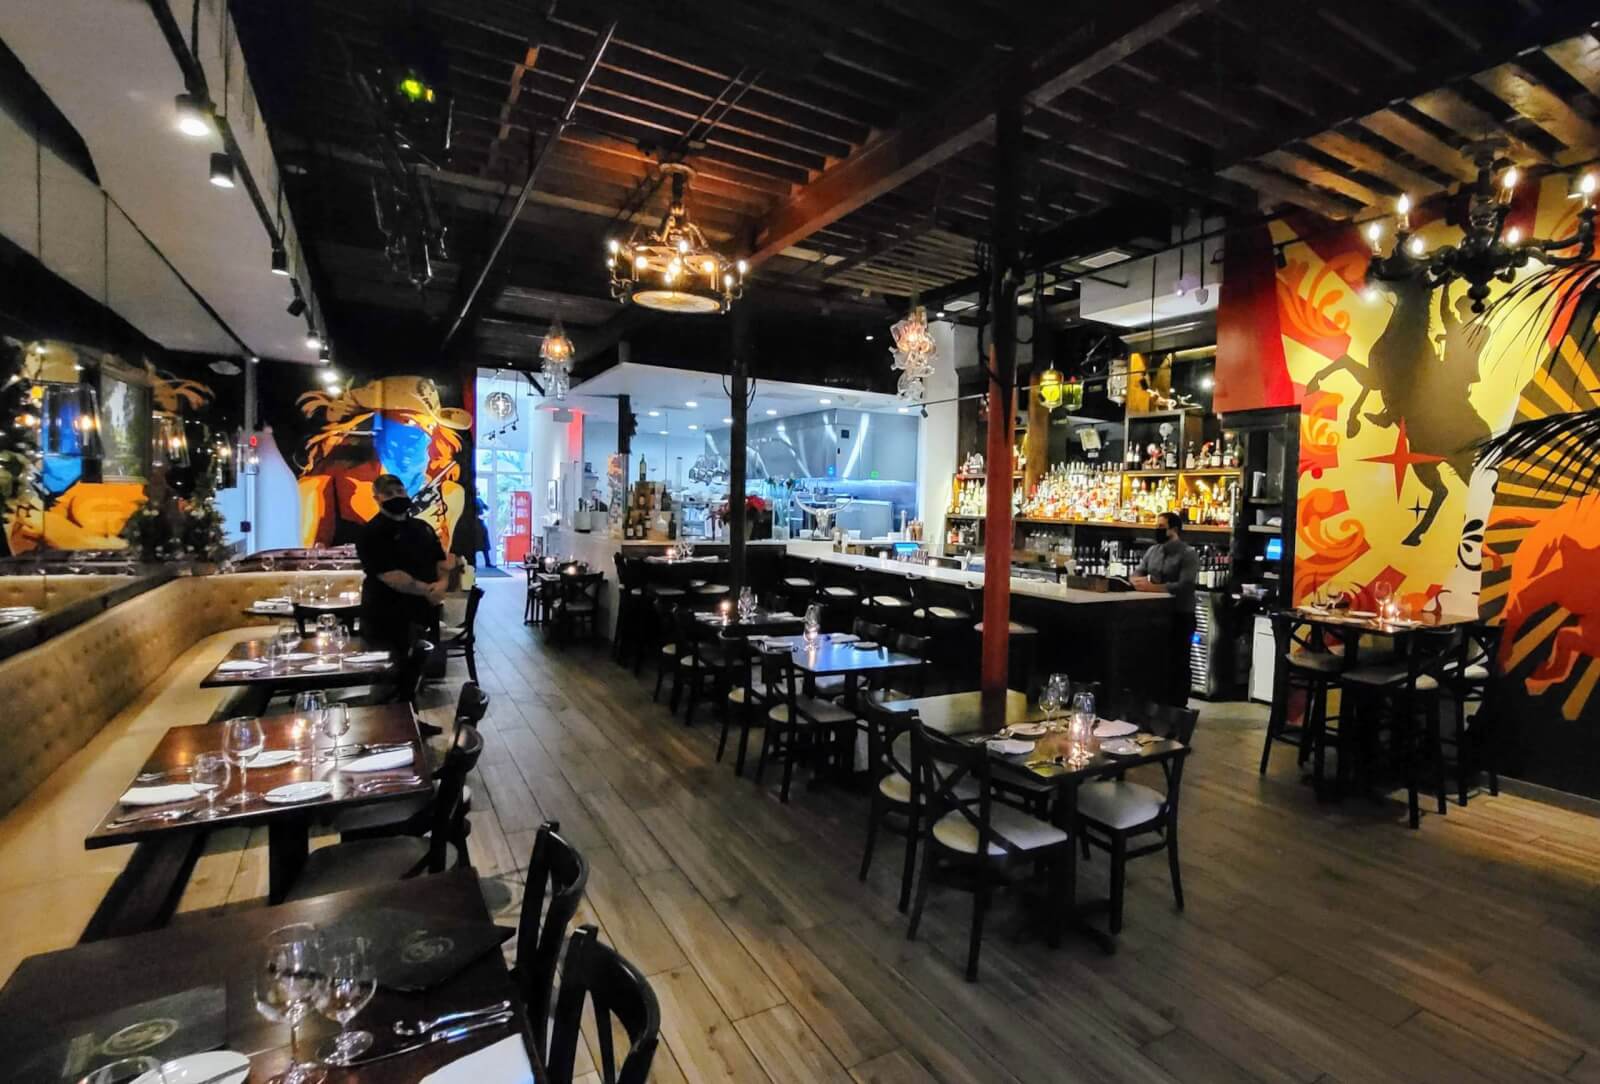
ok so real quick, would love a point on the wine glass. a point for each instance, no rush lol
(242, 742)
(289, 983)
(1083, 703)
(747, 603)
(351, 982)
(339, 639)
(336, 724)
(1054, 697)
(288, 639)
(209, 775)
(309, 706)
(146, 1070)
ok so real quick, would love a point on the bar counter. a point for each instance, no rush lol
(1028, 588)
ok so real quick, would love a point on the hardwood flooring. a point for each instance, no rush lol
(1321, 943)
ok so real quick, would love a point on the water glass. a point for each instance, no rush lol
(288, 638)
(242, 742)
(289, 983)
(351, 981)
(1083, 704)
(339, 640)
(126, 1070)
(308, 709)
(209, 776)
(747, 603)
(336, 724)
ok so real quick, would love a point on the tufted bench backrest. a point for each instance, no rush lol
(53, 592)
(58, 695)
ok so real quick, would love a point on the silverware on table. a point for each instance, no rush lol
(423, 1027)
(443, 1035)
(158, 817)
(378, 784)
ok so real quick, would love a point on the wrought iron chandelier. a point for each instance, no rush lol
(914, 354)
(556, 355)
(672, 267)
(1487, 251)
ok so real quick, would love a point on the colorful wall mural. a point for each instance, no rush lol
(1397, 384)
(338, 441)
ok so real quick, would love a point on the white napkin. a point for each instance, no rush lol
(273, 758)
(780, 614)
(159, 795)
(845, 637)
(380, 762)
(368, 656)
(241, 665)
(505, 1062)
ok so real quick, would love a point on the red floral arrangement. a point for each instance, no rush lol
(751, 504)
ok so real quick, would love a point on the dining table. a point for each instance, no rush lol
(310, 664)
(759, 622)
(190, 987)
(383, 728)
(1045, 769)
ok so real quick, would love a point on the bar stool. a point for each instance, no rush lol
(840, 595)
(632, 606)
(1474, 680)
(1313, 670)
(1019, 663)
(944, 615)
(798, 583)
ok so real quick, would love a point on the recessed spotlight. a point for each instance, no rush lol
(869, 338)
(727, 421)
(939, 315)
(655, 413)
(693, 426)
(825, 402)
(195, 118)
(221, 170)
(662, 433)
(1206, 382)
(691, 404)
(772, 413)
(903, 410)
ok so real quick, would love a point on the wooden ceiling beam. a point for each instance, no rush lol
(1419, 143)
(1512, 84)
(1454, 112)
(1579, 57)
(1281, 189)
(961, 119)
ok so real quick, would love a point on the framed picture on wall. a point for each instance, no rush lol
(125, 421)
(552, 499)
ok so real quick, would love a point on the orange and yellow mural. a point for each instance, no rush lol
(1397, 385)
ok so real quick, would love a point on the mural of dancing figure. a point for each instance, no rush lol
(1424, 394)
(392, 425)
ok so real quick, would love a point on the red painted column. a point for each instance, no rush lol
(997, 539)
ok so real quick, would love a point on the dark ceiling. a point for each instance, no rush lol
(846, 146)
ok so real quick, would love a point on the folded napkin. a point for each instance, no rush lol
(159, 795)
(844, 637)
(505, 1062)
(368, 656)
(380, 762)
(241, 665)
(273, 758)
(778, 615)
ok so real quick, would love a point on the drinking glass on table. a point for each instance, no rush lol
(1054, 697)
(336, 724)
(288, 639)
(209, 776)
(747, 603)
(339, 640)
(242, 742)
(146, 1070)
(308, 708)
(289, 983)
(351, 981)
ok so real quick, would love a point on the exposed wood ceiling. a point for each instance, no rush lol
(846, 143)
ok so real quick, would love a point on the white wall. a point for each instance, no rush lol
(936, 437)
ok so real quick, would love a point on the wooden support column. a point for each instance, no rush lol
(739, 409)
(1004, 254)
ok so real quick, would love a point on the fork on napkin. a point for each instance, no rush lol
(380, 762)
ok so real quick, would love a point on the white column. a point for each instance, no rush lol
(936, 437)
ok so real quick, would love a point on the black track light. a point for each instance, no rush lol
(324, 355)
(313, 340)
(195, 117)
(297, 306)
(280, 261)
(221, 170)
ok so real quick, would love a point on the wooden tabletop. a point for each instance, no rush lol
(294, 675)
(973, 713)
(50, 993)
(760, 623)
(178, 748)
(831, 657)
(1367, 621)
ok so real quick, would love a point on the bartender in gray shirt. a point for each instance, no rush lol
(1171, 566)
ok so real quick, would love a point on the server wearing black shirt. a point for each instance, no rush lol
(1171, 567)
(407, 570)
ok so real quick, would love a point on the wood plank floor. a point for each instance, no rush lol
(1320, 943)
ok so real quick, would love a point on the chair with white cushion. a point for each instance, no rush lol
(894, 795)
(798, 727)
(1473, 680)
(746, 702)
(970, 840)
(1113, 813)
(1306, 665)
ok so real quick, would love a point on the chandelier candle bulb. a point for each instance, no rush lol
(1508, 184)
(1402, 208)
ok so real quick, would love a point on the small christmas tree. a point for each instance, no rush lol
(203, 537)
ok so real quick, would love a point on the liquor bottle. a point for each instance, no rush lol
(1189, 460)
(1171, 454)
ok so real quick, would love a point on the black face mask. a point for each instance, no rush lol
(397, 506)
(1160, 535)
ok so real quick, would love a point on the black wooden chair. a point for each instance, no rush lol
(704, 661)
(798, 582)
(798, 727)
(895, 794)
(1113, 812)
(970, 841)
(1474, 682)
(664, 611)
(462, 643)
(365, 862)
(559, 869)
(578, 603)
(633, 610)
(747, 700)
(615, 989)
(306, 617)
